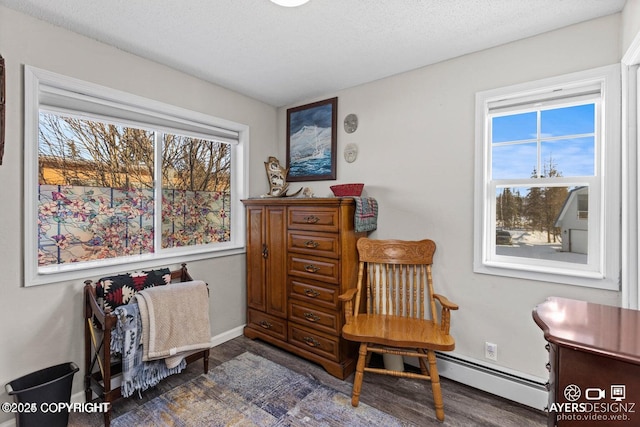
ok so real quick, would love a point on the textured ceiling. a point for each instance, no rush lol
(286, 55)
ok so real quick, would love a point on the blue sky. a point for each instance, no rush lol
(515, 142)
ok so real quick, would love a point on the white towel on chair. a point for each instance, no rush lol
(175, 321)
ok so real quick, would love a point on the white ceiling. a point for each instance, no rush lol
(283, 56)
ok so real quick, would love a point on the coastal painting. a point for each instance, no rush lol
(311, 141)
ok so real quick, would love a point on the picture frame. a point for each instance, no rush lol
(312, 141)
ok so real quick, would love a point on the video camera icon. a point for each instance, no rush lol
(595, 393)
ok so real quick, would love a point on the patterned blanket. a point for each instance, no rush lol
(366, 215)
(126, 341)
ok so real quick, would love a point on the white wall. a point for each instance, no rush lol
(42, 326)
(416, 157)
(630, 23)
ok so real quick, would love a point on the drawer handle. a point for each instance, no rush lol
(311, 244)
(548, 366)
(311, 317)
(547, 347)
(311, 268)
(311, 293)
(311, 342)
(265, 324)
(311, 219)
(547, 385)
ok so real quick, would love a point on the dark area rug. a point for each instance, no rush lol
(250, 390)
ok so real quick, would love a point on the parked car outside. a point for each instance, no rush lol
(503, 237)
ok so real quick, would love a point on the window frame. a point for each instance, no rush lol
(42, 86)
(604, 271)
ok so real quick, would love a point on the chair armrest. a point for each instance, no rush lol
(347, 299)
(445, 315)
(349, 295)
(445, 302)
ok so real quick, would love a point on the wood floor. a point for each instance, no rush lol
(408, 400)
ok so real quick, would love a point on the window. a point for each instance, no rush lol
(113, 179)
(547, 197)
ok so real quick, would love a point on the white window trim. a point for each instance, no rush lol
(630, 179)
(609, 250)
(39, 84)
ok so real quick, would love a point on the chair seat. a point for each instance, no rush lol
(397, 331)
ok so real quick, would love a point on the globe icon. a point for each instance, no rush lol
(572, 392)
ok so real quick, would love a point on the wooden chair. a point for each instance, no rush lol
(399, 314)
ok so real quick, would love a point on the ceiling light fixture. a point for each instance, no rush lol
(290, 3)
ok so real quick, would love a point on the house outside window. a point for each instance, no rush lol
(547, 174)
(115, 179)
(583, 206)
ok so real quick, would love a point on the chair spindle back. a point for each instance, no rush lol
(397, 277)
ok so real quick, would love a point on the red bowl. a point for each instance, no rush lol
(346, 190)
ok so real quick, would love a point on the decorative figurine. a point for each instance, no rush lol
(277, 176)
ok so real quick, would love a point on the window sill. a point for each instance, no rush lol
(97, 269)
(587, 279)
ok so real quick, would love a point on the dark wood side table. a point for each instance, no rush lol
(594, 363)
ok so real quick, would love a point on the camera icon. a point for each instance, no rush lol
(595, 393)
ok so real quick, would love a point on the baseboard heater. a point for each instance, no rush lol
(518, 387)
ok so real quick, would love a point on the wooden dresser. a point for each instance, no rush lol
(594, 363)
(301, 254)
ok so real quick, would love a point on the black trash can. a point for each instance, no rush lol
(39, 389)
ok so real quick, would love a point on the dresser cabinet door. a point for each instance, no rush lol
(276, 260)
(256, 267)
(266, 260)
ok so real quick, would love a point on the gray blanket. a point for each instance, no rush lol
(126, 341)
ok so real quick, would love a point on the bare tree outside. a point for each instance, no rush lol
(97, 190)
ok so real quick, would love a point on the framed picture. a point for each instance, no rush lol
(312, 141)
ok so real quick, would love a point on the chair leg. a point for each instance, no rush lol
(435, 385)
(357, 381)
(206, 361)
(368, 360)
(424, 370)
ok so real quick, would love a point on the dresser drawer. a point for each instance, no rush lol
(320, 244)
(314, 318)
(271, 325)
(316, 293)
(314, 218)
(328, 347)
(316, 268)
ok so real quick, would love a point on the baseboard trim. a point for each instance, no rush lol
(512, 385)
(227, 336)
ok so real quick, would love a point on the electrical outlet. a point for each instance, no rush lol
(491, 351)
